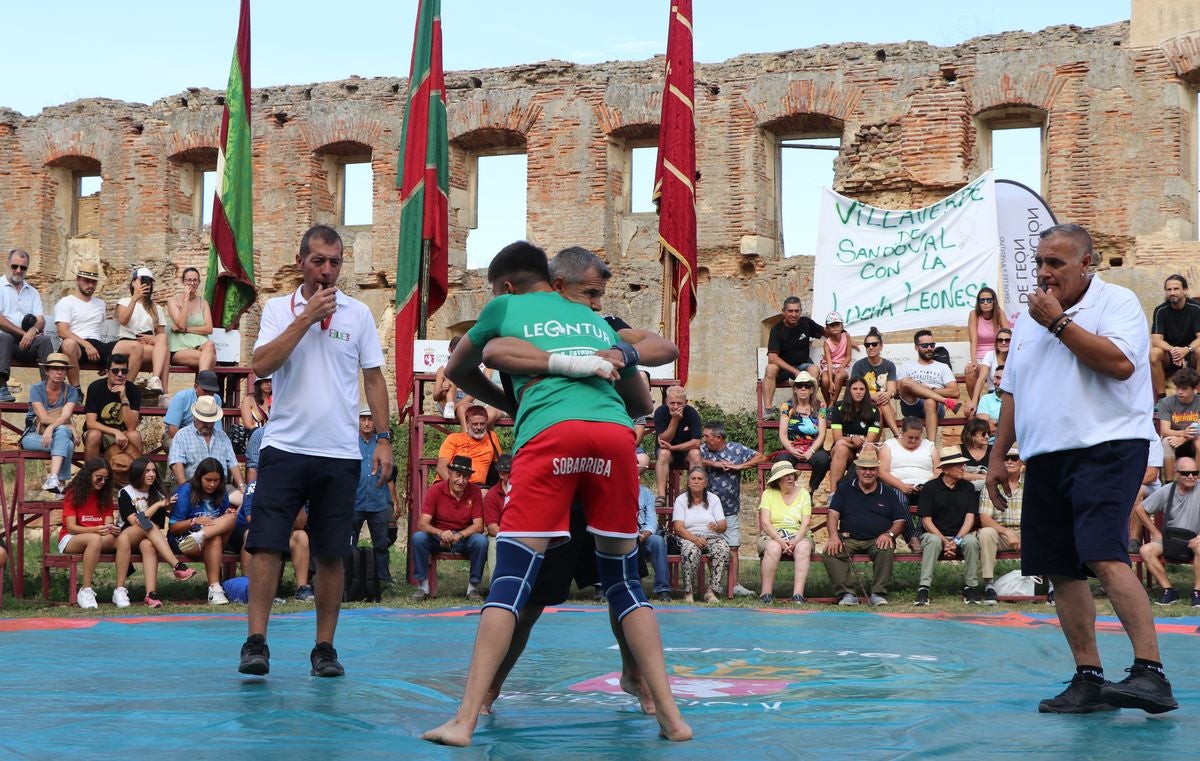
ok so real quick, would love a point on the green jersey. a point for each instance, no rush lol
(553, 324)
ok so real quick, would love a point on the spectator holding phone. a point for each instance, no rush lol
(190, 335)
(142, 510)
(143, 330)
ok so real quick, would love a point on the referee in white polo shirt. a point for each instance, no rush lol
(313, 343)
(1077, 396)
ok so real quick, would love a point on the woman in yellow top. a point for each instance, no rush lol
(783, 517)
(190, 333)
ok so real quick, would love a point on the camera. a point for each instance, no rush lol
(146, 280)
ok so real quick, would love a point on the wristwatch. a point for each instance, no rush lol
(891, 536)
(383, 436)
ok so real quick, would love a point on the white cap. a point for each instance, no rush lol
(141, 272)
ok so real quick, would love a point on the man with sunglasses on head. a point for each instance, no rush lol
(1077, 394)
(113, 408)
(927, 387)
(21, 321)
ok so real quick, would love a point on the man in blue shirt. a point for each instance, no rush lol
(179, 411)
(725, 460)
(373, 504)
(651, 543)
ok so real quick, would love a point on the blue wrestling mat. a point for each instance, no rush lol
(752, 684)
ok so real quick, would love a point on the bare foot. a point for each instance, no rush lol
(676, 731)
(637, 687)
(457, 733)
(488, 699)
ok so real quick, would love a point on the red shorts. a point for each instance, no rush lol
(593, 463)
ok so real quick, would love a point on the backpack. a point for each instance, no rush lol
(361, 577)
(942, 354)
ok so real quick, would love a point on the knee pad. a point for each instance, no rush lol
(512, 579)
(622, 585)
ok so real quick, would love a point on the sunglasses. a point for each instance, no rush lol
(927, 346)
(1003, 340)
(806, 385)
(19, 267)
(872, 344)
(1188, 473)
(1011, 458)
(99, 478)
(986, 300)
(119, 370)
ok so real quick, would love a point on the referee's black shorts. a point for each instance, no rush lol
(288, 481)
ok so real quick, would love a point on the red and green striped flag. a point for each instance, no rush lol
(229, 287)
(424, 182)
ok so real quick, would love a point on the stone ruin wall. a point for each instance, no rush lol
(1120, 135)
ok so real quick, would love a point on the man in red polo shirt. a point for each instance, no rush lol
(451, 521)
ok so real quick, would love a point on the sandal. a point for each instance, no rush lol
(660, 503)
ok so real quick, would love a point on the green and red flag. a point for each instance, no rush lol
(229, 287)
(675, 179)
(424, 182)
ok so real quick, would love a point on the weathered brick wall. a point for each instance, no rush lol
(1120, 131)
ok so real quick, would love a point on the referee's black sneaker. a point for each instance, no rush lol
(256, 656)
(1081, 696)
(325, 661)
(1144, 688)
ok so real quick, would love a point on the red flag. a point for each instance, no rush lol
(675, 176)
(424, 180)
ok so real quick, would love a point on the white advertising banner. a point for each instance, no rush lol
(906, 269)
(1020, 215)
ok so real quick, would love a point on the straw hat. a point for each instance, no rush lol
(57, 360)
(779, 470)
(89, 270)
(804, 376)
(867, 458)
(206, 410)
(952, 456)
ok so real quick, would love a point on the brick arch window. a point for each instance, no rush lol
(632, 153)
(78, 183)
(343, 188)
(801, 156)
(1012, 140)
(489, 184)
(192, 180)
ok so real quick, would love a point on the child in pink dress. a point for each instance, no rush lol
(835, 359)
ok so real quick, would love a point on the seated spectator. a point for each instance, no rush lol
(947, 510)
(143, 330)
(927, 387)
(908, 463)
(987, 381)
(298, 547)
(1000, 530)
(853, 423)
(835, 357)
(256, 411)
(651, 546)
(864, 516)
(202, 440)
(1180, 505)
(880, 377)
(179, 411)
(48, 424)
(977, 450)
(451, 521)
(113, 405)
(678, 429)
(373, 502)
(202, 521)
(1179, 419)
(699, 522)
(1174, 333)
(142, 510)
(445, 393)
(984, 325)
(493, 508)
(22, 320)
(477, 442)
(783, 517)
(789, 345)
(78, 317)
(988, 408)
(724, 461)
(802, 430)
(87, 523)
(191, 345)
(1150, 484)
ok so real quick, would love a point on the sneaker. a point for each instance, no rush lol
(304, 593)
(216, 595)
(798, 599)
(970, 595)
(182, 572)
(1169, 595)
(52, 484)
(121, 597)
(1196, 598)
(710, 596)
(192, 541)
(87, 599)
(1081, 696)
(256, 656)
(6, 395)
(324, 661)
(154, 384)
(953, 405)
(740, 591)
(417, 595)
(766, 598)
(878, 600)
(1144, 688)
(848, 599)
(152, 600)
(473, 594)
(663, 596)
(922, 596)
(989, 596)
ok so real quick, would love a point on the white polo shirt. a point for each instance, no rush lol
(1063, 404)
(315, 407)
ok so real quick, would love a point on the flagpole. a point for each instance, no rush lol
(423, 316)
(667, 326)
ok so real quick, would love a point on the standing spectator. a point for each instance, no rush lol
(113, 408)
(1178, 420)
(477, 442)
(880, 376)
(789, 345)
(142, 510)
(853, 424)
(21, 321)
(78, 317)
(143, 330)
(48, 424)
(835, 357)
(87, 523)
(298, 547)
(1077, 395)
(802, 430)
(864, 515)
(986, 380)
(783, 517)
(1000, 529)
(699, 522)
(1180, 505)
(948, 508)
(451, 521)
(984, 324)
(373, 502)
(1174, 333)
(677, 426)
(724, 461)
(191, 345)
(927, 387)
(202, 512)
(179, 411)
(202, 440)
(493, 507)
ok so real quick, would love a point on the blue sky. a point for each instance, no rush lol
(143, 50)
